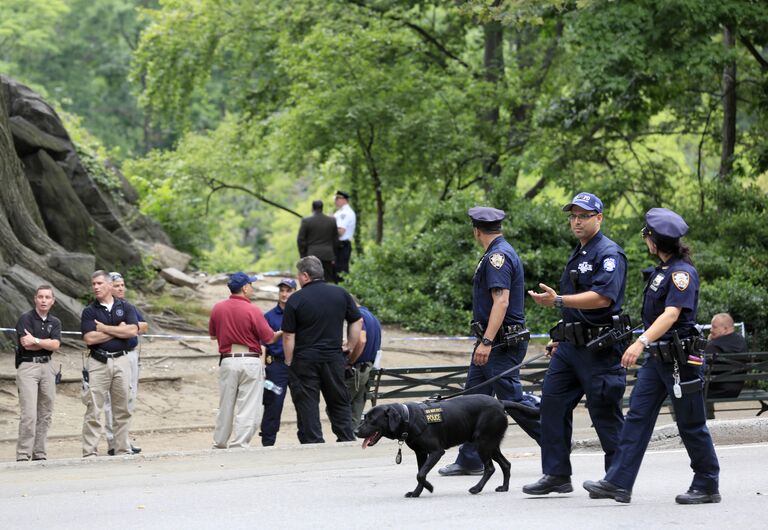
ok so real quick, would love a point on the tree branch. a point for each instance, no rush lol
(218, 185)
(418, 29)
(755, 53)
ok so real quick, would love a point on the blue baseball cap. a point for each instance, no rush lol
(288, 282)
(238, 280)
(585, 200)
(485, 216)
(665, 223)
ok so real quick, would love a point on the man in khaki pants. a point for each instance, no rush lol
(240, 329)
(118, 291)
(107, 325)
(39, 336)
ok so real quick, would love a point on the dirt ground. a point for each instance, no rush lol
(178, 391)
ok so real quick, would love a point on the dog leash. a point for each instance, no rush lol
(491, 380)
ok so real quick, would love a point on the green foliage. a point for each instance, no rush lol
(424, 281)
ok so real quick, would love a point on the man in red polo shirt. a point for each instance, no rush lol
(240, 329)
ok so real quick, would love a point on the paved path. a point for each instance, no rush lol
(338, 486)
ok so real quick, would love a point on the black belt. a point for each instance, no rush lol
(36, 359)
(103, 356)
(364, 365)
(577, 333)
(667, 351)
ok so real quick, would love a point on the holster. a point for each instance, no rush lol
(677, 349)
(691, 387)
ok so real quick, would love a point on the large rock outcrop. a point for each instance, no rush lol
(58, 222)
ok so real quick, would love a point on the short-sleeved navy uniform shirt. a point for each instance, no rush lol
(372, 329)
(121, 311)
(274, 318)
(316, 314)
(133, 342)
(600, 266)
(50, 328)
(500, 267)
(673, 284)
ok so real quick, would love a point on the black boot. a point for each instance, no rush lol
(602, 489)
(549, 484)
(693, 496)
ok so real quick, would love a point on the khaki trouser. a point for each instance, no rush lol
(241, 389)
(109, 433)
(111, 378)
(37, 390)
(358, 386)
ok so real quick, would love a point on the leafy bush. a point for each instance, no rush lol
(424, 281)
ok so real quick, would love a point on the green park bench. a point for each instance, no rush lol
(422, 382)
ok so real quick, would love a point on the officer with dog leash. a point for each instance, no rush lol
(672, 368)
(590, 300)
(499, 322)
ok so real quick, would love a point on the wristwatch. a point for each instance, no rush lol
(37, 341)
(558, 301)
(486, 341)
(644, 340)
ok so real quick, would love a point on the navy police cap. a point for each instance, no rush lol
(585, 200)
(485, 215)
(238, 280)
(665, 223)
(288, 282)
(344, 194)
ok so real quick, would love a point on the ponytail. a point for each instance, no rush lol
(672, 246)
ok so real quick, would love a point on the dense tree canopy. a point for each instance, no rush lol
(421, 108)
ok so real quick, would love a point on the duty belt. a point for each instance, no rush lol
(103, 356)
(667, 351)
(509, 335)
(36, 359)
(581, 333)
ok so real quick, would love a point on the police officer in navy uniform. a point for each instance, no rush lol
(672, 368)
(498, 297)
(591, 295)
(277, 371)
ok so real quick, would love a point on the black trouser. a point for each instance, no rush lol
(307, 380)
(343, 253)
(329, 271)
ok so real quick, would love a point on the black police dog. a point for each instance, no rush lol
(430, 428)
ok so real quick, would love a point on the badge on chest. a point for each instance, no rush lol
(656, 283)
(585, 266)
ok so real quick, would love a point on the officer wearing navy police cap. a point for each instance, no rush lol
(591, 294)
(497, 305)
(672, 369)
(276, 369)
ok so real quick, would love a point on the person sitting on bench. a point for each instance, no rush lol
(723, 339)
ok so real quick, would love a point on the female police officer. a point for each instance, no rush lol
(672, 368)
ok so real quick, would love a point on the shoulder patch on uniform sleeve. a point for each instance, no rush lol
(497, 260)
(609, 264)
(681, 279)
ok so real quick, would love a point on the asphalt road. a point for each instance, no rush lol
(341, 486)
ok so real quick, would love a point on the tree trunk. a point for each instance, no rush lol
(729, 106)
(493, 64)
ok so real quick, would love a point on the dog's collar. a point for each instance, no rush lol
(406, 421)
